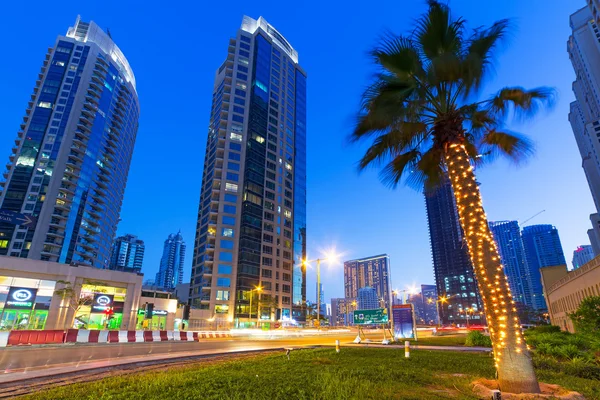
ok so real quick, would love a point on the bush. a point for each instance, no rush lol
(568, 351)
(543, 329)
(478, 339)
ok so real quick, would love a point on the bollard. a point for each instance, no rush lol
(337, 346)
(407, 349)
(496, 395)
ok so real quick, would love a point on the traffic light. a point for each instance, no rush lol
(108, 311)
(149, 309)
(186, 312)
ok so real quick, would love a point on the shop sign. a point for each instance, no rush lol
(19, 297)
(403, 318)
(159, 312)
(102, 302)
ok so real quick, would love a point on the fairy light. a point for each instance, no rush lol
(499, 305)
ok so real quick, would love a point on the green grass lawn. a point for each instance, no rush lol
(355, 373)
(454, 340)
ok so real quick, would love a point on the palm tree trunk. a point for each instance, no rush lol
(513, 361)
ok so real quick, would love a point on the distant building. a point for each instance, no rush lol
(342, 311)
(127, 254)
(373, 272)
(322, 305)
(424, 304)
(182, 292)
(452, 267)
(507, 235)
(582, 255)
(367, 299)
(170, 273)
(542, 249)
(565, 290)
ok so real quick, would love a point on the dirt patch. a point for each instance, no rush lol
(484, 388)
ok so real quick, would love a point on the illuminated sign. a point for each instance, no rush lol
(403, 319)
(159, 312)
(21, 298)
(102, 302)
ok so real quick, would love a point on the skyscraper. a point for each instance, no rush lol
(69, 166)
(582, 255)
(170, 273)
(452, 267)
(373, 272)
(251, 229)
(367, 298)
(507, 235)
(342, 311)
(542, 249)
(127, 254)
(584, 52)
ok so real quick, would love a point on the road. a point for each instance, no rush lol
(19, 358)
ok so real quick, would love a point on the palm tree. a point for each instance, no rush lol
(426, 126)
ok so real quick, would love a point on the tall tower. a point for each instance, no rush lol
(542, 249)
(507, 235)
(251, 230)
(66, 177)
(582, 255)
(373, 272)
(452, 266)
(170, 273)
(127, 254)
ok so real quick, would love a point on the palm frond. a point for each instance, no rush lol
(513, 145)
(522, 103)
(436, 32)
(429, 172)
(400, 165)
(398, 55)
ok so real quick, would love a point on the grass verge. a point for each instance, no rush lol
(355, 373)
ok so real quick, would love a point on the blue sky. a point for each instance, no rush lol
(174, 49)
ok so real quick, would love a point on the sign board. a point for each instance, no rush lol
(102, 302)
(366, 317)
(403, 318)
(15, 218)
(21, 298)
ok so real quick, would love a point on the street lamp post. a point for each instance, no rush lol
(256, 289)
(442, 299)
(328, 257)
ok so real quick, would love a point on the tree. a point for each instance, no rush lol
(587, 317)
(426, 125)
(71, 297)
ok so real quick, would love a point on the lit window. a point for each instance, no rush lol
(240, 85)
(3, 244)
(288, 166)
(235, 136)
(260, 139)
(59, 63)
(287, 213)
(222, 294)
(231, 187)
(227, 232)
(221, 309)
(45, 104)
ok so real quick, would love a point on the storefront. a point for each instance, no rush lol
(102, 307)
(24, 302)
(157, 322)
(163, 307)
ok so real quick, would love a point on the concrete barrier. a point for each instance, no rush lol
(4, 338)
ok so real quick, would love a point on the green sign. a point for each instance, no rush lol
(376, 316)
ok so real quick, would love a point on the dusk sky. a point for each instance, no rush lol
(175, 48)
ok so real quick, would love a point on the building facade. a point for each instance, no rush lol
(170, 272)
(452, 266)
(251, 229)
(367, 298)
(582, 255)
(66, 177)
(373, 272)
(127, 254)
(542, 249)
(564, 290)
(342, 311)
(507, 235)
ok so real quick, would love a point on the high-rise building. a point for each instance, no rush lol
(342, 311)
(367, 298)
(542, 249)
(584, 52)
(582, 255)
(429, 297)
(66, 177)
(251, 227)
(170, 273)
(594, 233)
(452, 266)
(371, 272)
(127, 254)
(507, 235)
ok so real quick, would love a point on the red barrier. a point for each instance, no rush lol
(16, 338)
(183, 335)
(113, 336)
(148, 336)
(94, 335)
(163, 336)
(71, 336)
(131, 336)
(195, 336)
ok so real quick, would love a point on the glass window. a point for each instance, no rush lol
(222, 294)
(233, 166)
(231, 187)
(234, 156)
(227, 232)
(230, 197)
(231, 176)
(235, 136)
(224, 282)
(229, 209)
(221, 309)
(227, 244)
(235, 146)
(224, 269)
(45, 104)
(228, 220)
(225, 256)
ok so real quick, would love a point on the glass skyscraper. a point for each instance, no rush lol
(373, 272)
(127, 254)
(507, 235)
(170, 272)
(72, 153)
(251, 229)
(542, 249)
(452, 266)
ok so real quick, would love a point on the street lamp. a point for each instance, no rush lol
(328, 257)
(412, 290)
(257, 289)
(442, 299)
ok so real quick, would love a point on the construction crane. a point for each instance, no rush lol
(532, 217)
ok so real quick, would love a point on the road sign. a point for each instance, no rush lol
(404, 321)
(376, 316)
(15, 218)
